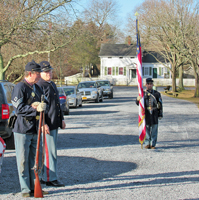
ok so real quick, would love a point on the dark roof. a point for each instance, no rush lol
(148, 58)
(117, 50)
(129, 50)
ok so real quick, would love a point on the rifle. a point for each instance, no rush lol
(37, 188)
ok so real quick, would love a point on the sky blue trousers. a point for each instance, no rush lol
(151, 135)
(50, 163)
(25, 146)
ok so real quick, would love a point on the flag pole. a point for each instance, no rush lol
(141, 117)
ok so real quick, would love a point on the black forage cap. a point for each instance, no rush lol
(149, 80)
(45, 66)
(33, 66)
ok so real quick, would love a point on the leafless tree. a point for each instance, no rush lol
(24, 24)
(163, 25)
(95, 26)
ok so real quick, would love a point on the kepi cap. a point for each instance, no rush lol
(149, 80)
(33, 66)
(45, 66)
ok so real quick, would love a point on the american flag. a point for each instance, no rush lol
(141, 117)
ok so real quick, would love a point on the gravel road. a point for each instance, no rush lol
(100, 156)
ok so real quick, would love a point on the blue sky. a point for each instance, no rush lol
(127, 6)
(124, 6)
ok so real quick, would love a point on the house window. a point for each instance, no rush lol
(124, 71)
(146, 71)
(117, 71)
(132, 57)
(113, 72)
(105, 71)
(120, 57)
(109, 70)
(109, 57)
(121, 71)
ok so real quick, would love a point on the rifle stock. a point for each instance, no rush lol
(37, 188)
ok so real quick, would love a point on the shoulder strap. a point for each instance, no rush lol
(152, 96)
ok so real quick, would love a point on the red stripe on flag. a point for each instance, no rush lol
(141, 116)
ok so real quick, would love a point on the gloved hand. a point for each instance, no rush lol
(138, 98)
(158, 105)
(41, 107)
(36, 103)
(159, 118)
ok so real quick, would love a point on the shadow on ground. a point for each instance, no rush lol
(81, 170)
(72, 171)
(141, 181)
(77, 140)
(94, 112)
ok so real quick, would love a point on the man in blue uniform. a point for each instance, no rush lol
(153, 113)
(54, 119)
(24, 96)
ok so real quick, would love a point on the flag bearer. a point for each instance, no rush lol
(153, 113)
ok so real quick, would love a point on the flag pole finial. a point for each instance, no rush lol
(136, 14)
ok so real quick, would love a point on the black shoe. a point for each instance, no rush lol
(42, 181)
(55, 183)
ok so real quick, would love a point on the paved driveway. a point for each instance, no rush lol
(100, 156)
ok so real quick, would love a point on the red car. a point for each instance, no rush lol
(64, 102)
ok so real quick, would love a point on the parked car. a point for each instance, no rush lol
(90, 91)
(6, 109)
(64, 102)
(107, 88)
(74, 97)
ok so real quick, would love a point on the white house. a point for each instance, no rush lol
(118, 63)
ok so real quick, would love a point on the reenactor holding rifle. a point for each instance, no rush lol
(26, 100)
(54, 119)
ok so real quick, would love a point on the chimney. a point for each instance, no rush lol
(129, 40)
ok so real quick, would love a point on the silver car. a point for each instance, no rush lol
(90, 91)
(107, 88)
(74, 97)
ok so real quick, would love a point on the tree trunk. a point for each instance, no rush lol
(173, 78)
(181, 86)
(1, 68)
(196, 94)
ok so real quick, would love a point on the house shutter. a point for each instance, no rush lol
(168, 72)
(150, 71)
(116, 71)
(105, 71)
(124, 71)
(160, 71)
(113, 68)
(142, 71)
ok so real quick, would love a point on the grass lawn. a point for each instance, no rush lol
(186, 95)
